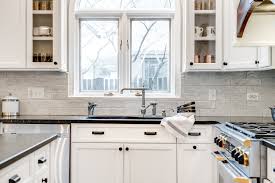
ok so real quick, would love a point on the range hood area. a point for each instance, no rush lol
(256, 23)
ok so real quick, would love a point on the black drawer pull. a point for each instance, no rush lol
(194, 134)
(150, 133)
(42, 160)
(14, 179)
(45, 180)
(98, 133)
(194, 147)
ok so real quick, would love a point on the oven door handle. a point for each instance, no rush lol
(236, 176)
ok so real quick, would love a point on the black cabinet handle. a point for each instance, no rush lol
(14, 179)
(273, 169)
(194, 134)
(42, 160)
(120, 149)
(45, 180)
(150, 133)
(257, 62)
(97, 132)
(194, 147)
(225, 63)
(191, 63)
(55, 63)
(127, 148)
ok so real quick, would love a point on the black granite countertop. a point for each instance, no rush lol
(14, 147)
(83, 119)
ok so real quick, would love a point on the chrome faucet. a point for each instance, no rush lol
(91, 108)
(143, 107)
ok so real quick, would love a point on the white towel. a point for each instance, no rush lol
(179, 125)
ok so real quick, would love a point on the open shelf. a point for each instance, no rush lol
(42, 38)
(205, 12)
(205, 39)
(42, 12)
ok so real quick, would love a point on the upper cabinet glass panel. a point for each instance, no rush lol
(124, 4)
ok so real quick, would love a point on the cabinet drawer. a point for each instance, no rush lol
(271, 164)
(199, 134)
(123, 133)
(41, 159)
(20, 171)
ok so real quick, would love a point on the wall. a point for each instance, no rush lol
(216, 94)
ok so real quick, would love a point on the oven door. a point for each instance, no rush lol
(226, 173)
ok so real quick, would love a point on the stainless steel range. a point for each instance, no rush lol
(240, 156)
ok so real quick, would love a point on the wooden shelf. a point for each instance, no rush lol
(205, 12)
(205, 39)
(42, 12)
(42, 38)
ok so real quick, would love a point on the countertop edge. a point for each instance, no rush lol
(26, 152)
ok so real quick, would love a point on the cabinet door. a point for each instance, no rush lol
(195, 163)
(13, 34)
(204, 35)
(237, 57)
(150, 163)
(97, 163)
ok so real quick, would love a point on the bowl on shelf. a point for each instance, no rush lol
(273, 112)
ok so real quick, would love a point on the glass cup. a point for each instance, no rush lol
(36, 5)
(44, 5)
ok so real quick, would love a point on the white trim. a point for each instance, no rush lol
(176, 48)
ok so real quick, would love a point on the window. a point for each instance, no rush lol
(124, 43)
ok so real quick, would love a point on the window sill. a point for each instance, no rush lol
(125, 96)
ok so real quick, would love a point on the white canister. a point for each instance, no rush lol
(10, 106)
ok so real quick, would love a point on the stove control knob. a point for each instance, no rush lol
(220, 144)
(241, 159)
(233, 152)
(238, 153)
(215, 140)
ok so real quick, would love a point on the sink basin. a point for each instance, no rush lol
(108, 117)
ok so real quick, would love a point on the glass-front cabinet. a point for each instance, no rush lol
(204, 35)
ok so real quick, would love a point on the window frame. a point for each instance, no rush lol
(124, 63)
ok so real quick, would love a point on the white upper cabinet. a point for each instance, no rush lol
(219, 52)
(235, 57)
(204, 34)
(12, 34)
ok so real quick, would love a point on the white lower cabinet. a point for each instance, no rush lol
(195, 164)
(150, 163)
(96, 162)
(118, 163)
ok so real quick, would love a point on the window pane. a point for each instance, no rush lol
(150, 54)
(125, 4)
(99, 55)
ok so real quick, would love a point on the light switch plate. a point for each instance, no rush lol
(36, 92)
(252, 96)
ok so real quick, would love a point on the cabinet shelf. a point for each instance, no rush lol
(205, 12)
(42, 38)
(42, 12)
(205, 39)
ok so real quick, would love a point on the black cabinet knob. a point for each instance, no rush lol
(55, 63)
(191, 63)
(42, 160)
(120, 149)
(127, 148)
(225, 63)
(14, 179)
(194, 147)
(45, 180)
(257, 62)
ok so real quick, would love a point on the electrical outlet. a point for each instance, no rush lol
(252, 96)
(212, 94)
(36, 92)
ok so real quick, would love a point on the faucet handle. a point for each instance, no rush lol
(93, 104)
(153, 103)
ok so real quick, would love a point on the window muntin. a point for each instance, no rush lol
(150, 54)
(124, 4)
(99, 55)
